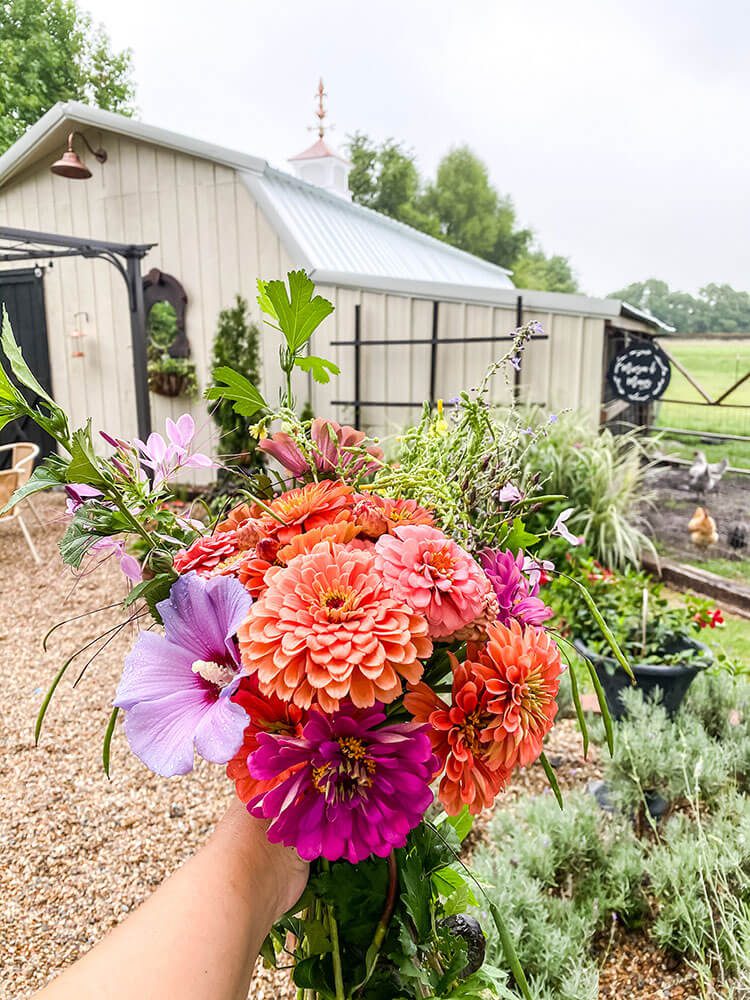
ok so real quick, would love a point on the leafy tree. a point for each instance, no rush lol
(551, 274)
(715, 309)
(385, 178)
(236, 345)
(51, 51)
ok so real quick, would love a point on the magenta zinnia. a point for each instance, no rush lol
(358, 787)
(516, 594)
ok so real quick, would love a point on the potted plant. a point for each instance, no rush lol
(168, 375)
(659, 637)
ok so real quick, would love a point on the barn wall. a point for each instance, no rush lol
(209, 233)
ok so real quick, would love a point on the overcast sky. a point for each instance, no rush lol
(621, 128)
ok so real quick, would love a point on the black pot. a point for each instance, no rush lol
(672, 680)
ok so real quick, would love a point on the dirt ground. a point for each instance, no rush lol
(674, 504)
(79, 852)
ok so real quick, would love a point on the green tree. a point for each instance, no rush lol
(715, 309)
(237, 345)
(385, 178)
(549, 274)
(51, 51)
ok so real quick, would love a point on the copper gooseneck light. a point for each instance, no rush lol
(70, 164)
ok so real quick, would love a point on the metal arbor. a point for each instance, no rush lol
(17, 245)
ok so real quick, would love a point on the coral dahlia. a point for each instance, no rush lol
(470, 778)
(326, 628)
(522, 676)
(352, 786)
(423, 567)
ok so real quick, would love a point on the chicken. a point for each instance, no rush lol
(702, 477)
(702, 528)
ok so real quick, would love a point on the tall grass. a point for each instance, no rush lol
(604, 477)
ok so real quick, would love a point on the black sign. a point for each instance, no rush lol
(640, 373)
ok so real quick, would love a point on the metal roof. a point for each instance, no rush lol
(333, 234)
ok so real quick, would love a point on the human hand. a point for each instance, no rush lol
(278, 871)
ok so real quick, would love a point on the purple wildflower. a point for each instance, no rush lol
(515, 360)
(508, 494)
(176, 688)
(516, 594)
(561, 528)
(357, 787)
(129, 565)
(78, 494)
(166, 457)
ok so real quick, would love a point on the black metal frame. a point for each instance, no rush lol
(126, 258)
(433, 341)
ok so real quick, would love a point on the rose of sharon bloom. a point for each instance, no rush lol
(522, 678)
(516, 594)
(176, 688)
(265, 715)
(432, 574)
(327, 628)
(206, 553)
(357, 786)
(470, 778)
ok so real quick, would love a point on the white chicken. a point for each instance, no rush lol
(704, 477)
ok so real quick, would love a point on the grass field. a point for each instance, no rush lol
(716, 365)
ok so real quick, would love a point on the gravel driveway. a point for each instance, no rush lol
(77, 852)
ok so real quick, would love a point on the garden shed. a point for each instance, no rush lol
(215, 220)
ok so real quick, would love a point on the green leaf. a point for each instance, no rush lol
(318, 941)
(319, 368)
(298, 312)
(462, 823)
(603, 706)
(51, 472)
(263, 300)
(75, 543)
(107, 745)
(240, 390)
(518, 537)
(309, 974)
(18, 366)
(83, 466)
(552, 778)
(152, 591)
(604, 628)
(416, 890)
(580, 714)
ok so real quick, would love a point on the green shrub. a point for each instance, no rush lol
(237, 345)
(603, 477)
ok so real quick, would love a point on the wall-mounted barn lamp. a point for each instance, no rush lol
(70, 164)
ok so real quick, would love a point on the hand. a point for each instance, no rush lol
(284, 873)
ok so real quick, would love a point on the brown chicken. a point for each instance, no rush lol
(702, 528)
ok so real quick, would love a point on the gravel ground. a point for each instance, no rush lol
(79, 852)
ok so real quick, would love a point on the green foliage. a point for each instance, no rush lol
(460, 206)
(51, 51)
(236, 345)
(603, 477)
(161, 366)
(715, 309)
(558, 876)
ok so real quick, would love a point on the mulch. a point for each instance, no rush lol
(78, 852)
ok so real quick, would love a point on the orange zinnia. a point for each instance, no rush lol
(325, 628)
(470, 778)
(311, 506)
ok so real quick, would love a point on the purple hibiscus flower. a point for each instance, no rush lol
(176, 688)
(356, 788)
(516, 594)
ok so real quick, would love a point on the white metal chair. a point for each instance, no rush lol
(23, 455)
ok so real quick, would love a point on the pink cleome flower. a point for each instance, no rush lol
(433, 575)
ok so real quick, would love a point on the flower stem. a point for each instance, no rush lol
(333, 929)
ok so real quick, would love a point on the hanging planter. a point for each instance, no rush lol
(172, 383)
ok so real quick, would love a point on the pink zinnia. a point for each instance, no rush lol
(516, 595)
(433, 575)
(206, 553)
(358, 787)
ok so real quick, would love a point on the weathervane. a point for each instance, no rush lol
(321, 112)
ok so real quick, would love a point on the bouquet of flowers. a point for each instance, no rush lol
(361, 643)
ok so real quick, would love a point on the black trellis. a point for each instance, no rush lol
(27, 245)
(433, 341)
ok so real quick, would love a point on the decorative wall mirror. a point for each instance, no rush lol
(171, 372)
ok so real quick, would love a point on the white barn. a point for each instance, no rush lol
(220, 219)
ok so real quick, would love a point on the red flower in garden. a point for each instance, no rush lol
(267, 715)
(206, 553)
(522, 671)
(709, 619)
(470, 777)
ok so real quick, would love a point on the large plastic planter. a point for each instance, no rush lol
(672, 680)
